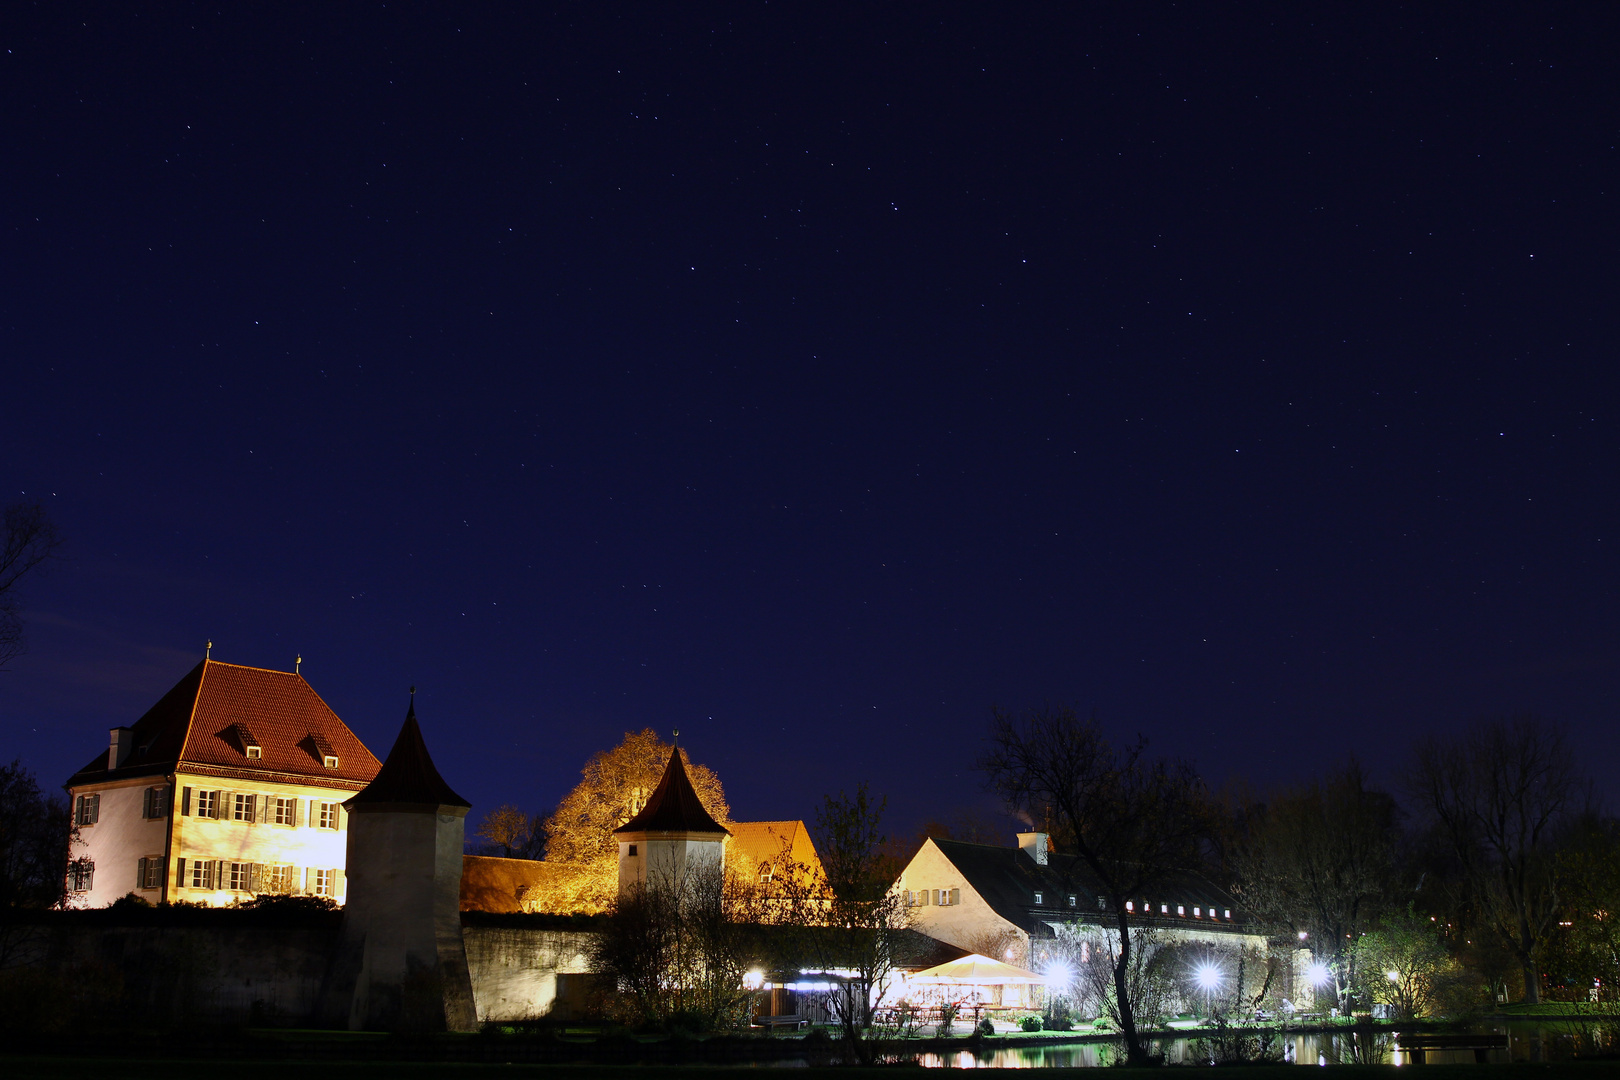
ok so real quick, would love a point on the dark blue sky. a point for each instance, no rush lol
(812, 380)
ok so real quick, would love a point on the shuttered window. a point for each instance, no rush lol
(155, 803)
(149, 872)
(86, 809)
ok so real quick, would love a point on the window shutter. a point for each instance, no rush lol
(78, 810)
(309, 880)
(185, 801)
(180, 871)
(342, 816)
(298, 812)
(140, 873)
(256, 879)
(337, 884)
(146, 805)
(956, 896)
(222, 811)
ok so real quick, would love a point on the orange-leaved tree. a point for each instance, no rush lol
(615, 785)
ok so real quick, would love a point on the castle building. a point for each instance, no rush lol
(671, 837)
(232, 785)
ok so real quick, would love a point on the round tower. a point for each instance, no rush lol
(402, 964)
(670, 838)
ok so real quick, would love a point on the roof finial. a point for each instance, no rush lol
(677, 738)
(208, 650)
(297, 663)
(410, 710)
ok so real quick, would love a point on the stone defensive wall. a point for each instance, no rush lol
(268, 967)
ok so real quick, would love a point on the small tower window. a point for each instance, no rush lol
(1228, 913)
(632, 852)
(330, 761)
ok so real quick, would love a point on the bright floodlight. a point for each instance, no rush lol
(1059, 975)
(1209, 976)
(1393, 976)
(1318, 974)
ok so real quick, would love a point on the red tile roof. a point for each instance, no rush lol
(202, 723)
(674, 806)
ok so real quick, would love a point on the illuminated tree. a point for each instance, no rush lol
(28, 539)
(1134, 823)
(1403, 963)
(614, 786)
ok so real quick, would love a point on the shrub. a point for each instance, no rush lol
(1030, 1023)
(985, 1027)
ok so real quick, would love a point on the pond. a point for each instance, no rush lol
(1527, 1041)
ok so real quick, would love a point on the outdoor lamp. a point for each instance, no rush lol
(1209, 977)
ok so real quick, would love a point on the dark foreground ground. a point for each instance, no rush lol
(72, 1068)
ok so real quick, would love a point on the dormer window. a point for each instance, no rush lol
(1228, 913)
(1198, 913)
(766, 873)
(1181, 909)
(1073, 900)
(1037, 898)
(1130, 905)
(255, 753)
(330, 761)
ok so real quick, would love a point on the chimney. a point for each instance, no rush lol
(1033, 844)
(122, 741)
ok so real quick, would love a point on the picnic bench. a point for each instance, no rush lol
(788, 1020)
(1419, 1043)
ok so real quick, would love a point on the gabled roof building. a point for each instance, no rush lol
(231, 785)
(1003, 901)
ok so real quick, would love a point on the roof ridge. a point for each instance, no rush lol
(191, 714)
(250, 667)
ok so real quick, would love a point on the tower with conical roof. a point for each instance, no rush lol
(403, 964)
(671, 837)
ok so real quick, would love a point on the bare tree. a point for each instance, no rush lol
(1505, 795)
(509, 829)
(1319, 861)
(848, 916)
(1132, 822)
(28, 539)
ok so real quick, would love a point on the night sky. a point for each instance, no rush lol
(814, 379)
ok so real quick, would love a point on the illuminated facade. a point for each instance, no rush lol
(671, 837)
(230, 786)
(1003, 901)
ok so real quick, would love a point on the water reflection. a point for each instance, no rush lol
(1526, 1042)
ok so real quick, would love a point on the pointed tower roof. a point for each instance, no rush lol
(674, 806)
(407, 776)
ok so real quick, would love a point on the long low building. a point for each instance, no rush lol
(230, 786)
